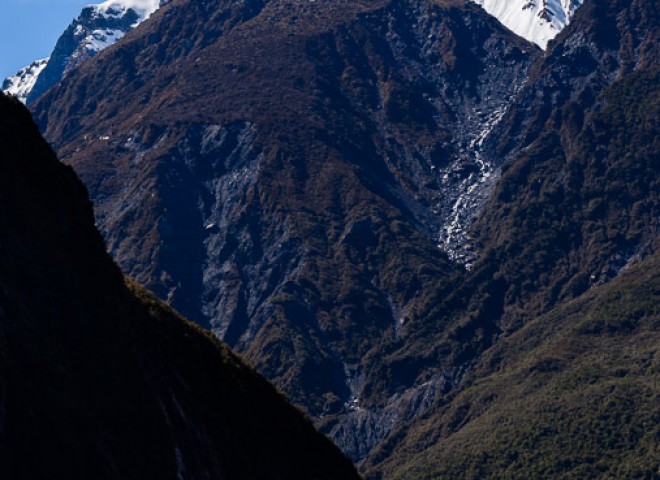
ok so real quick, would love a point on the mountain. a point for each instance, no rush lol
(538, 21)
(22, 82)
(367, 199)
(97, 27)
(100, 26)
(100, 380)
(282, 173)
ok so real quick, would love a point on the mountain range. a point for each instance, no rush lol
(100, 26)
(437, 239)
(206, 185)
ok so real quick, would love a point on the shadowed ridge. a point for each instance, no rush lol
(100, 380)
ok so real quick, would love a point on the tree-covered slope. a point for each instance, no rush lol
(578, 197)
(574, 394)
(100, 380)
(576, 204)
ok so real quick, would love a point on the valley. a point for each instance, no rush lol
(417, 224)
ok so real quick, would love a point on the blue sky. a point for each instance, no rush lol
(30, 28)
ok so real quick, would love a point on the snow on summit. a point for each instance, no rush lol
(21, 83)
(538, 21)
(96, 28)
(101, 25)
(112, 12)
(118, 8)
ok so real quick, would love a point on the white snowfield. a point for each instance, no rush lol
(100, 39)
(538, 21)
(118, 8)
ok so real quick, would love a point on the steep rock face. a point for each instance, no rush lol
(537, 21)
(576, 198)
(283, 172)
(97, 27)
(100, 380)
(22, 82)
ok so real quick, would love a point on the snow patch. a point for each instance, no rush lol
(99, 40)
(538, 21)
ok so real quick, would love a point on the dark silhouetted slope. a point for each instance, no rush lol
(100, 380)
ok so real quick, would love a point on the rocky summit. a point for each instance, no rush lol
(22, 82)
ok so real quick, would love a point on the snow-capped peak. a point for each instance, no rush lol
(538, 21)
(21, 83)
(108, 13)
(97, 27)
